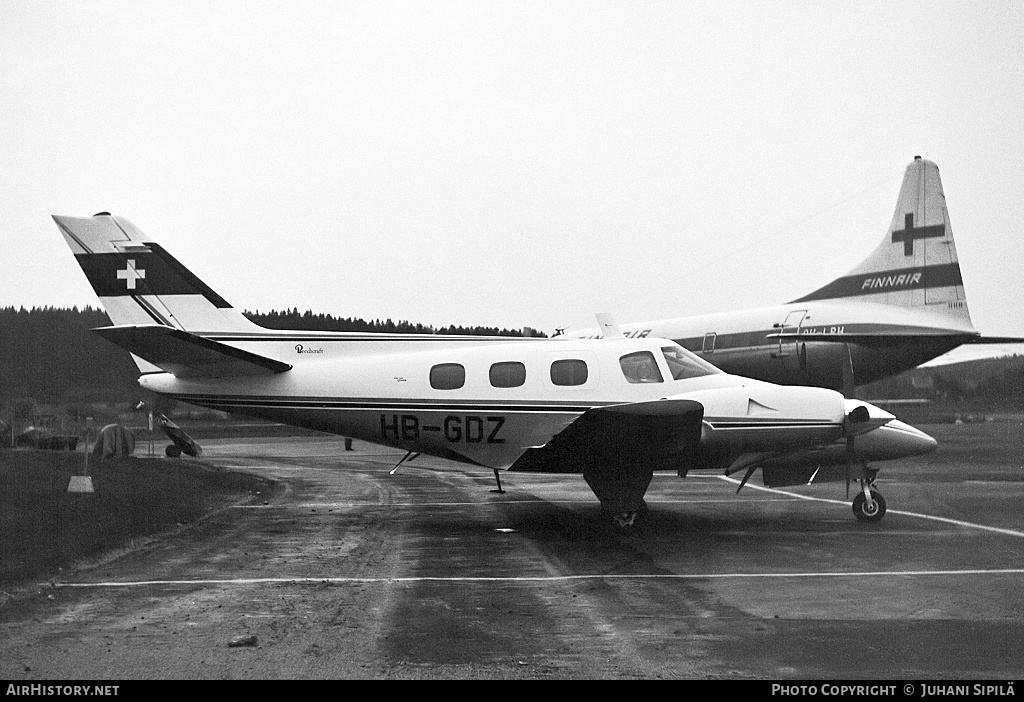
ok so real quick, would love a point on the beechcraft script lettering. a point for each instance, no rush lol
(131, 274)
(909, 233)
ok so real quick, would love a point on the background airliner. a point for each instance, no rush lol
(901, 306)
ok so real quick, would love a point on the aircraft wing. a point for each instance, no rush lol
(187, 355)
(656, 435)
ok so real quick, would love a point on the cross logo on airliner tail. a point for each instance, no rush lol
(909, 233)
(130, 274)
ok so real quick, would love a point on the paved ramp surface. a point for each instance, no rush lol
(346, 571)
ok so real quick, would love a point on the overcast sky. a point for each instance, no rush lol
(510, 163)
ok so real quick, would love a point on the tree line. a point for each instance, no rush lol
(983, 383)
(49, 355)
(309, 321)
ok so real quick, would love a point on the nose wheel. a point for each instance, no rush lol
(869, 505)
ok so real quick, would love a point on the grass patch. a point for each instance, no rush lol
(43, 527)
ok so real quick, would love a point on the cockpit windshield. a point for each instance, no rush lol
(684, 364)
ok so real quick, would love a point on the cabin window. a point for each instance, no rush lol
(709, 342)
(570, 371)
(447, 376)
(508, 374)
(683, 364)
(640, 367)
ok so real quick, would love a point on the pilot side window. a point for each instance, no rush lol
(447, 376)
(683, 364)
(640, 367)
(569, 372)
(508, 374)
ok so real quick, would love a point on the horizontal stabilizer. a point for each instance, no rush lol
(656, 435)
(187, 355)
(887, 338)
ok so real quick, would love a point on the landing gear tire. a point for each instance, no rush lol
(172, 451)
(869, 512)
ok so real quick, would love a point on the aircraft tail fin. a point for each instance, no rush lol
(916, 264)
(140, 283)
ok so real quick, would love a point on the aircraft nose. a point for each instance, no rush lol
(909, 440)
(892, 440)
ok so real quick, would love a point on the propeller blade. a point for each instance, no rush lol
(411, 455)
(849, 464)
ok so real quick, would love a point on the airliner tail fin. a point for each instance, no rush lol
(916, 264)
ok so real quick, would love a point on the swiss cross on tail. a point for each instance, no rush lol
(130, 274)
(909, 233)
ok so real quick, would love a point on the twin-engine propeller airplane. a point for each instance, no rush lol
(614, 410)
(901, 306)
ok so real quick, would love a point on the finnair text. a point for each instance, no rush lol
(903, 280)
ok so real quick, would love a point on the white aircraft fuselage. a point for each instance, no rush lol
(346, 384)
(614, 410)
(388, 398)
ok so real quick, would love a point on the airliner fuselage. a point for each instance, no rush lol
(903, 305)
(791, 344)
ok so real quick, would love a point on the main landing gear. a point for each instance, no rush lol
(869, 505)
(620, 488)
(625, 522)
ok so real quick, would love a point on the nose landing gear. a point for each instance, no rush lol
(869, 505)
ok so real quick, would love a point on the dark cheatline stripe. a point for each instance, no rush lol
(375, 404)
(771, 424)
(917, 278)
(767, 338)
(271, 335)
(478, 406)
(164, 275)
